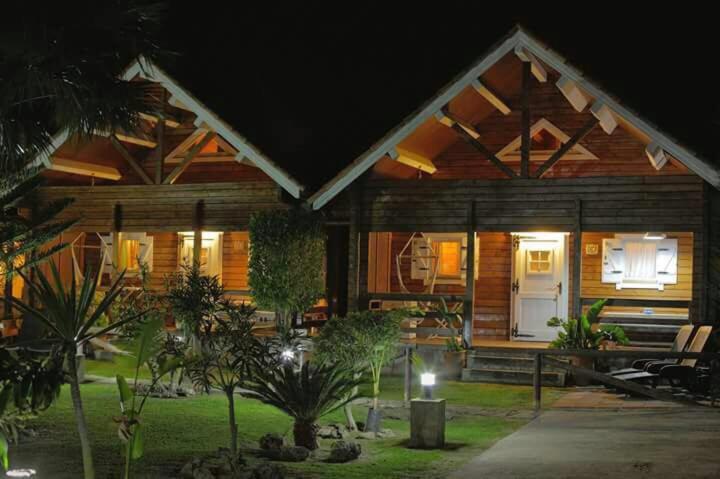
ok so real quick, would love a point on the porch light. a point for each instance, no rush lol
(20, 473)
(427, 381)
(655, 236)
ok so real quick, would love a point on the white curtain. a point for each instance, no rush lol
(640, 261)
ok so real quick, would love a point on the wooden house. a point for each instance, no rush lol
(181, 189)
(525, 191)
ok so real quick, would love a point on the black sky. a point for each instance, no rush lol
(315, 84)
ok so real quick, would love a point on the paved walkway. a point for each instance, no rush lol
(617, 443)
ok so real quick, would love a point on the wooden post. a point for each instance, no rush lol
(537, 382)
(525, 121)
(197, 247)
(408, 374)
(577, 261)
(704, 289)
(159, 149)
(469, 300)
(198, 225)
(363, 259)
(117, 228)
(353, 249)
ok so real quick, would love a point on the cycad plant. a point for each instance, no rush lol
(67, 312)
(306, 394)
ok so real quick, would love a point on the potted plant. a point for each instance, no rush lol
(585, 334)
(455, 349)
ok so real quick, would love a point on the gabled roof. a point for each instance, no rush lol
(147, 70)
(516, 40)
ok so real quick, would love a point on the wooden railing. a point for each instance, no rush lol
(549, 356)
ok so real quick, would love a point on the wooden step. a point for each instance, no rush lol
(505, 363)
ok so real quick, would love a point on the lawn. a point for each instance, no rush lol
(177, 430)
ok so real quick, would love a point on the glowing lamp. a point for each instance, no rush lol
(655, 236)
(288, 355)
(427, 381)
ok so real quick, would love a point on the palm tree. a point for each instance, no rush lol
(69, 315)
(305, 395)
(23, 235)
(61, 66)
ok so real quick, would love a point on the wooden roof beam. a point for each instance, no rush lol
(574, 140)
(537, 69)
(184, 145)
(448, 119)
(189, 156)
(170, 121)
(605, 116)
(136, 138)
(492, 97)
(572, 92)
(412, 159)
(74, 167)
(656, 155)
(131, 161)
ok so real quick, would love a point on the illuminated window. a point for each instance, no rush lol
(449, 260)
(539, 261)
(128, 255)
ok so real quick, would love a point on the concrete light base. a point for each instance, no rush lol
(427, 423)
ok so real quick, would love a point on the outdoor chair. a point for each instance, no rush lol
(681, 374)
(679, 344)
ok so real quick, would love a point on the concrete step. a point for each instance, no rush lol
(505, 363)
(549, 378)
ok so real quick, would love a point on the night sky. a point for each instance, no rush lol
(314, 85)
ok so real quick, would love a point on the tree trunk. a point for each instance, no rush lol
(231, 419)
(349, 418)
(305, 435)
(80, 416)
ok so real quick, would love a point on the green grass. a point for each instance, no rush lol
(177, 430)
(501, 396)
(124, 365)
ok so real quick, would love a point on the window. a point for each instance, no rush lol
(539, 262)
(128, 255)
(640, 261)
(449, 259)
(441, 258)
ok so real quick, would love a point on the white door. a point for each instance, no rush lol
(540, 284)
(210, 254)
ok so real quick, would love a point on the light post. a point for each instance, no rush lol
(427, 417)
(427, 381)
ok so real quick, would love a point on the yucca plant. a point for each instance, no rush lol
(306, 395)
(67, 312)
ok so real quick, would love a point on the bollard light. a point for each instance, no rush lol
(20, 473)
(427, 381)
(288, 355)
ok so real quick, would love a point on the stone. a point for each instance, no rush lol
(222, 464)
(342, 451)
(333, 431)
(268, 471)
(271, 441)
(427, 423)
(288, 454)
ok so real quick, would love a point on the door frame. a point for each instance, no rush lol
(565, 276)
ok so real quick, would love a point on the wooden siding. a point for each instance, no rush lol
(226, 206)
(235, 260)
(593, 287)
(671, 203)
(165, 258)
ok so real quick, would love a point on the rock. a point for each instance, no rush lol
(342, 451)
(288, 454)
(271, 441)
(268, 471)
(222, 464)
(333, 431)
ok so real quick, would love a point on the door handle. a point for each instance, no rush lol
(559, 288)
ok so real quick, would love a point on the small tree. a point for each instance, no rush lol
(225, 360)
(362, 341)
(305, 395)
(286, 262)
(68, 315)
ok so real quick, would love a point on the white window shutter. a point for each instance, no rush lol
(108, 251)
(613, 268)
(421, 259)
(146, 251)
(666, 259)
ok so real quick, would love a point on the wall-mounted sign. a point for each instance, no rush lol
(592, 249)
